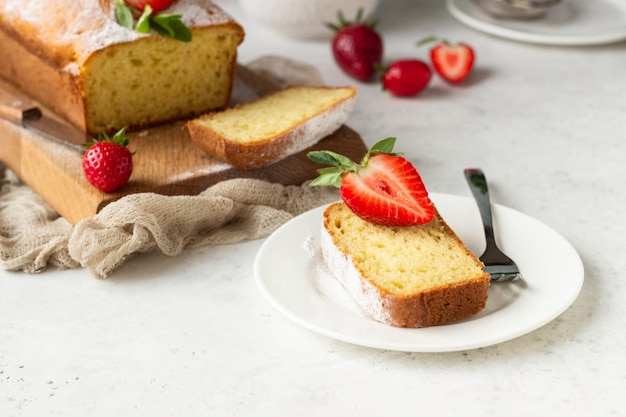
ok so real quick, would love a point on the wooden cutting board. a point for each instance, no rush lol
(166, 162)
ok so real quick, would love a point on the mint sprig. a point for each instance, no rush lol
(341, 165)
(166, 24)
(143, 23)
(171, 25)
(123, 14)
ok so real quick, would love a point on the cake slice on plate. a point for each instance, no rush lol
(390, 248)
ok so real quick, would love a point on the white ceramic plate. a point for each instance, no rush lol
(291, 274)
(573, 22)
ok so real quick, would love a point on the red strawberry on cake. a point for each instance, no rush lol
(383, 189)
(389, 247)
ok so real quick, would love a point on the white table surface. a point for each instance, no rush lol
(192, 336)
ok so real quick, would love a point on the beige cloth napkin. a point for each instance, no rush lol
(33, 236)
(228, 212)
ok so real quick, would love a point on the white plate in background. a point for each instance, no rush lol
(573, 22)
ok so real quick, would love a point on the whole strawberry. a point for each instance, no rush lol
(406, 77)
(383, 189)
(108, 164)
(356, 46)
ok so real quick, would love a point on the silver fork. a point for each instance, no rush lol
(500, 266)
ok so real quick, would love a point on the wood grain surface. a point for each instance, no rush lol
(166, 162)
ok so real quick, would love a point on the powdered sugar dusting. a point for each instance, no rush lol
(316, 128)
(68, 29)
(365, 294)
(326, 284)
(75, 29)
(309, 246)
(197, 13)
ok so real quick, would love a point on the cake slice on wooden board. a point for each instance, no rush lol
(167, 162)
(273, 127)
(390, 248)
(73, 57)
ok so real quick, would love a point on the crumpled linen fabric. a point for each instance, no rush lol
(228, 212)
(33, 236)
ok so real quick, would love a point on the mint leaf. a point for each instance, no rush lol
(331, 158)
(329, 176)
(171, 25)
(322, 157)
(341, 165)
(384, 146)
(143, 23)
(123, 14)
(332, 175)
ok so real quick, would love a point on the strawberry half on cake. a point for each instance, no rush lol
(390, 248)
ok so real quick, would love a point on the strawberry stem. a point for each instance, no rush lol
(118, 138)
(345, 23)
(426, 40)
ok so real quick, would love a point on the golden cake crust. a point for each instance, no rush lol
(65, 33)
(433, 305)
(49, 50)
(264, 149)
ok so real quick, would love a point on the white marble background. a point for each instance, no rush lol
(192, 336)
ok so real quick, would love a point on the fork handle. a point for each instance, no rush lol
(478, 185)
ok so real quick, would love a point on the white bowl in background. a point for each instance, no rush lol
(305, 19)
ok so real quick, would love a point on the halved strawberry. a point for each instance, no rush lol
(452, 62)
(384, 188)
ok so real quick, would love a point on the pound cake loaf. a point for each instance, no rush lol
(75, 58)
(411, 276)
(264, 131)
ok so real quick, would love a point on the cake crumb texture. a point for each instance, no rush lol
(266, 130)
(413, 276)
(74, 58)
